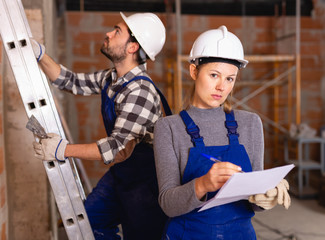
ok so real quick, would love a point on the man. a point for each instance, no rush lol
(127, 194)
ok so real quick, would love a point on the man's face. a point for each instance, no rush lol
(115, 44)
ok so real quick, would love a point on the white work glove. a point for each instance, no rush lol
(278, 195)
(38, 49)
(51, 148)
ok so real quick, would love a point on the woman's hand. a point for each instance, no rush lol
(218, 174)
(278, 195)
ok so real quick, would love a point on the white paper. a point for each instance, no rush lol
(242, 185)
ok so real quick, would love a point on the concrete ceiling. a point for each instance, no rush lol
(220, 7)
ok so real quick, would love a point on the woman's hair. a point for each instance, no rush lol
(227, 107)
(140, 59)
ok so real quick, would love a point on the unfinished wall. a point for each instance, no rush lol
(3, 172)
(260, 35)
(80, 36)
(319, 14)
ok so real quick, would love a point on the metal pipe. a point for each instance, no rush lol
(265, 86)
(179, 96)
(298, 66)
(263, 117)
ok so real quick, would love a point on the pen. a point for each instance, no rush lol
(212, 158)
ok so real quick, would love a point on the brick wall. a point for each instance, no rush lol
(82, 33)
(260, 35)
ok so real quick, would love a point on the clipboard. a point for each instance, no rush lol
(242, 185)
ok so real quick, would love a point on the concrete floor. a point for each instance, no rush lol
(304, 220)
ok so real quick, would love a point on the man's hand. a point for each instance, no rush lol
(278, 195)
(51, 148)
(38, 49)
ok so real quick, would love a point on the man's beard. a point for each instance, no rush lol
(116, 57)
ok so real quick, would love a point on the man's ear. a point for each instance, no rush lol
(193, 71)
(133, 47)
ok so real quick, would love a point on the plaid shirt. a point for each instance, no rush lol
(137, 105)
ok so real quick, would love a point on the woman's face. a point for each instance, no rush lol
(213, 83)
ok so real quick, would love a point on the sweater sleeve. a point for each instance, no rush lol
(257, 156)
(174, 198)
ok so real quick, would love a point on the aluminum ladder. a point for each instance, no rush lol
(38, 101)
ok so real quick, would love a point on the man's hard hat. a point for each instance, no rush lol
(218, 43)
(149, 31)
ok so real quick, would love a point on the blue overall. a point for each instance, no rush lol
(128, 193)
(229, 221)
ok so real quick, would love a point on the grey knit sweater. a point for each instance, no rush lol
(172, 144)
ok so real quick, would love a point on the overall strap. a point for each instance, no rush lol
(108, 82)
(231, 125)
(192, 129)
(162, 97)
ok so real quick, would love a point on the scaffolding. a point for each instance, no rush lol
(292, 73)
(286, 75)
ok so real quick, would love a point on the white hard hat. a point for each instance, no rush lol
(149, 31)
(218, 43)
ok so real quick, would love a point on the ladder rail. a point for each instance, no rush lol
(38, 101)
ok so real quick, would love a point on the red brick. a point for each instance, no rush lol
(260, 65)
(311, 61)
(310, 49)
(193, 22)
(0, 50)
(230, 22)
(308, 75)
(97, 46)
(3, 232)
(100, 131)
(190, 35)
(264, 36)
(310, 23)
(99, 63)
(111, 19)
(264, 22)
(188, 40)
(88, 36)
(0, 88)
(73, 18)
(2, 163)
(309, 35)
(79, 66)
(264, 49)
(3, 195)
(81, 49)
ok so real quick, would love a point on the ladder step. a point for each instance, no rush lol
(38, 101)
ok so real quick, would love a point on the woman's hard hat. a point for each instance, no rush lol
(218, 43)
(149, 31)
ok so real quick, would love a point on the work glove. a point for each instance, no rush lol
(51, 148)
(38, 49)
(278, 195)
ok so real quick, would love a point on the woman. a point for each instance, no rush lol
(210, 127)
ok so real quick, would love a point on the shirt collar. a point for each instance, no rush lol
(138, 70)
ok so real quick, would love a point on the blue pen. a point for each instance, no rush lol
(212, 158)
